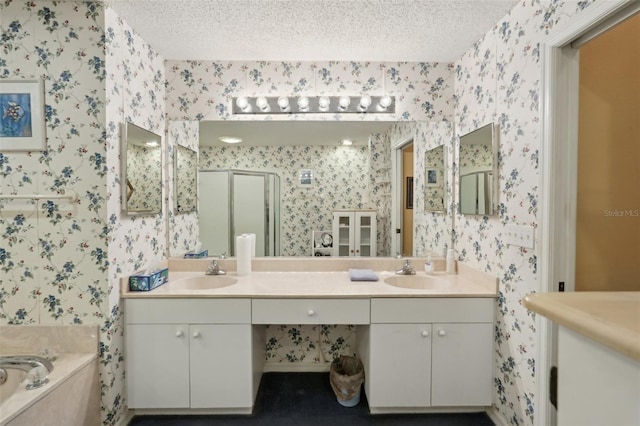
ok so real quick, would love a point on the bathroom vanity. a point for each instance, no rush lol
(598, 355)
(197, 344)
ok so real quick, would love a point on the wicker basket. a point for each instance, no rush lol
(346, 376)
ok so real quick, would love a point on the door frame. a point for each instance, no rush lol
(396, 192)
(559, 160)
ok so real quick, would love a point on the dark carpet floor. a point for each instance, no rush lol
(306, 399)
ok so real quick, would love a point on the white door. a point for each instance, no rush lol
(397, 195)
(213, 211)
(249, 208)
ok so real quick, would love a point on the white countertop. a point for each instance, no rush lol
(321, 284)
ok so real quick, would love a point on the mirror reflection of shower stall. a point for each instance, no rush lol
(236, 202)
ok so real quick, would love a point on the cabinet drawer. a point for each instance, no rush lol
(310, 311)
(190, 311)
(416, 310)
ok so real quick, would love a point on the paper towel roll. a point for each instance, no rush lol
(243, 254)
(253, 243)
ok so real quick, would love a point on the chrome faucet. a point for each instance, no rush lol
(37, 367)
(407, 269)
(214, 269)
(25, 362)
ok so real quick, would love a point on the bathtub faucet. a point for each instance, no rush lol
(25, 362)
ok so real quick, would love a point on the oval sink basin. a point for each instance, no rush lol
(205, 282)
(416, 282)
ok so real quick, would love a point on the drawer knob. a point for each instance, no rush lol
(179, 333)
(311, 312)
(425, 333)
(442, 333)
(196, 334)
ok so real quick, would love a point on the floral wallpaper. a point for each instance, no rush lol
(433, 230)
(135, 92)
(144, 174)
(61, 260)
(183, 227)
(499, 80)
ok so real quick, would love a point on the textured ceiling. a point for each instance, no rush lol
(312, 30)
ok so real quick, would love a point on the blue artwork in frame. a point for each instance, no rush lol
(22, 115)
(16, 115)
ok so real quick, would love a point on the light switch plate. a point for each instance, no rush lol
(519, 235)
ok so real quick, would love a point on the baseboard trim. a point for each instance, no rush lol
(495, 416)
(126, 419)
(296, 367)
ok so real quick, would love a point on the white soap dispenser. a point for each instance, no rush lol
(428, 265)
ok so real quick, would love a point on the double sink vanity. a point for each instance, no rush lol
(197, 344)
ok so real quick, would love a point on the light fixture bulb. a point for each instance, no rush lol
(303, 103)
(347, 142)
(283, 103)
(385, 102)
(323, 103)
(152, 144)
(243, 104)
(262, 103)
(344, 102)
(365, 102)
(230, 139)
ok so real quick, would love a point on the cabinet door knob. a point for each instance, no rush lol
(196, 334)
(179, 333)
(442, 333)
(311, 312)
(425, 333)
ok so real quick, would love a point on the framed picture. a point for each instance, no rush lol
(409, 193)
(22, 126)
(432, 176)
(305, 178)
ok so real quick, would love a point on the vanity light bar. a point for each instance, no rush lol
(313, 104)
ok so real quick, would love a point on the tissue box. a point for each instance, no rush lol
(196, 254)
(145, 282)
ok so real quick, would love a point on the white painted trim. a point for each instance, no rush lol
(126, 419)
(396, 190)
(496, 417)
(558, 159)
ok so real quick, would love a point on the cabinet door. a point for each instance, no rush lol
(343, 234)
(157, 365)
(462, 368)
(221, 366)
(400, 365)
(365, 234)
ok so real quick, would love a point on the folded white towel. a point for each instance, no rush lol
(362, 275)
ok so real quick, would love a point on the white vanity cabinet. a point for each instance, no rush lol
(354, 233)
(428, 352)
(192, 353)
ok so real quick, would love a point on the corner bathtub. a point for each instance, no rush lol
(72, 395)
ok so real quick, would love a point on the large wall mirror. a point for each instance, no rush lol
(345, 177)
(185, 179)
(435, 186)
(141, 171)
(478, 175)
